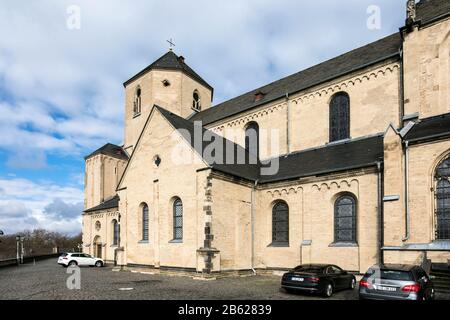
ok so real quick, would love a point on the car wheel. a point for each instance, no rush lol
(353, 283)
(99, 264)
(72, 263)
(328, 292)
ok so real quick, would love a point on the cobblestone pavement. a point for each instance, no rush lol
(47, 280)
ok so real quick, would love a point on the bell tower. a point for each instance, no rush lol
(168, 82)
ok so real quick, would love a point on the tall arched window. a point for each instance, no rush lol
(145, 223)
(340, 117)
(137, 102)
(115, 226)
(345, 219)
(280, 223)
(443, 200)
(196, 101)
(177, 219)
(252, 141)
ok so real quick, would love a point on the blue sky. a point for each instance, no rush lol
(61, 93)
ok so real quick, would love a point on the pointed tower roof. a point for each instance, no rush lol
(170, 61)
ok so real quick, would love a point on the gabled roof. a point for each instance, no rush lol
(246, 171)
(171, 61)
(430, 128)
(336, 157)
(332, 158)
(429, 10)
(381, 50)
(111, 150)
(349, 155)
(108, 204)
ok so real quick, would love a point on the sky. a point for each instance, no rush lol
(61, 93)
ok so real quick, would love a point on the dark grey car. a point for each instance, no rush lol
(396, 282)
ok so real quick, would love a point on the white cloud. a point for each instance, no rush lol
(27, 205)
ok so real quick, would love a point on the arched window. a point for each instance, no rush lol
(137, 102)
(145, 223)
(280, 223)
(340, 117)
(177, 219)
(443, 200)
(196, 101)
(252, 141)
(345, 219)
(115, 226)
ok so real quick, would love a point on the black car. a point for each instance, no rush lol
(318, 278)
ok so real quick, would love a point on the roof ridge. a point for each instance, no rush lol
(106, 149)
(306, 69)
(350, 61)
(170, 60)
(333, 144)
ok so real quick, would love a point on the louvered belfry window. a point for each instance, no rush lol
(340, 117)
(145, 223)
(443, 201)
(345, 219)
(280, 223)
(177, 220)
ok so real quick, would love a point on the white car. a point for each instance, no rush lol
(79, 259)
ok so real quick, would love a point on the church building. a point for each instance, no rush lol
(347, 163)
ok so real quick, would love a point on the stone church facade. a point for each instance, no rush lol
(360, 144)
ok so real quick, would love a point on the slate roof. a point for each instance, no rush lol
(433, 127)
(108, 204)
(372, 53)
(349, 155)
(110, 149)
(246, 171)
(172, 62)
(428, 10)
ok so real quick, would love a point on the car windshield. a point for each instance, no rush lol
(390, 274)
(309, 269)
(63, 254)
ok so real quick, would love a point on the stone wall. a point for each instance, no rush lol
(427, 70)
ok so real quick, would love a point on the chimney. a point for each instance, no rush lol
(259, 95)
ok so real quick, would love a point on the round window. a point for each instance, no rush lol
(98, 225)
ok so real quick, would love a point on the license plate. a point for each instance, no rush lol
(297, 279)
(389, 289)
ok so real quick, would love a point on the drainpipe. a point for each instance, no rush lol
(288, 131)
(381, 210)
(407, 216)
(253, 224)
(402, 88)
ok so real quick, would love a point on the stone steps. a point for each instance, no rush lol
(441, 279)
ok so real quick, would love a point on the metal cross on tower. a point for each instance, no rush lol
(171, 44)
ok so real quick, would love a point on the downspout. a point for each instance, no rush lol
(381, 210)
(407, 214)
(252, 221)
(402, 88)
(288, 125)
